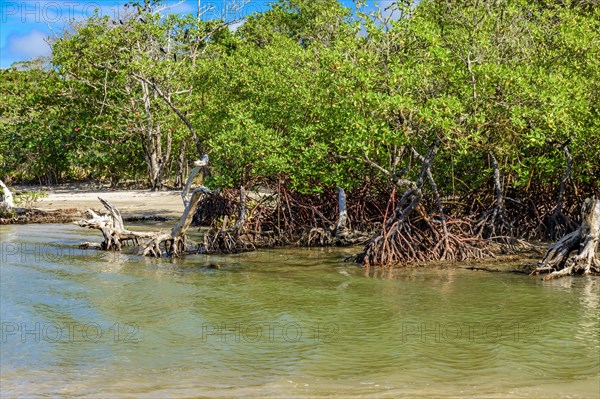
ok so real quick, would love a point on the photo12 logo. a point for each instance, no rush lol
(63, 11)
(268, 332)
(21, 333)
(56, 11)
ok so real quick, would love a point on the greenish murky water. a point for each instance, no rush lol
(282, 323)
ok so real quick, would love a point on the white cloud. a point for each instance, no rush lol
(30, 45)
(234, 26)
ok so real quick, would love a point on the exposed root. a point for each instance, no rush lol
(558, 260)
(558, 224)
(335, 235)
(225, 242)
(229, 239)
(406, 238)
(406, 242)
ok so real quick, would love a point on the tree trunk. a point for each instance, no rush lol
(559, 261)
(342, 222)
(175, 241)
(181, 165)
(152, 142)
(337, 234)
(493, 224)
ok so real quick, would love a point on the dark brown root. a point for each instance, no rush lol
(214, 207)
(406, 238)
(33, 215)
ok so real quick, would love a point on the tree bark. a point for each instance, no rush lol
(559, 260)
(342, 222)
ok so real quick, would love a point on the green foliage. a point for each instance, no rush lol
(305, 91)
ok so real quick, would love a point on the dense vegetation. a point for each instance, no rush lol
(310, 95)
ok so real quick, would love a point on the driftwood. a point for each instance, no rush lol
(174, 242)
(112, 228)
(338, 234)
(185, 196)
(559, 260)
(6, 202)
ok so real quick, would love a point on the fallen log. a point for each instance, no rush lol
(559, 260)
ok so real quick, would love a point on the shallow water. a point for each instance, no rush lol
(282, 323)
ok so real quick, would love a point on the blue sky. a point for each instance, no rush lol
(25, 25)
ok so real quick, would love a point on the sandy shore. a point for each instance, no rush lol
(131, 203)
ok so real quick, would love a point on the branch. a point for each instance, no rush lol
(177, 111)
(198, 164)
(565, 178)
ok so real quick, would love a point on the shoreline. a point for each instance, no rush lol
(133, 203)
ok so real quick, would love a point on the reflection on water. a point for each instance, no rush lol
(282, 323)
